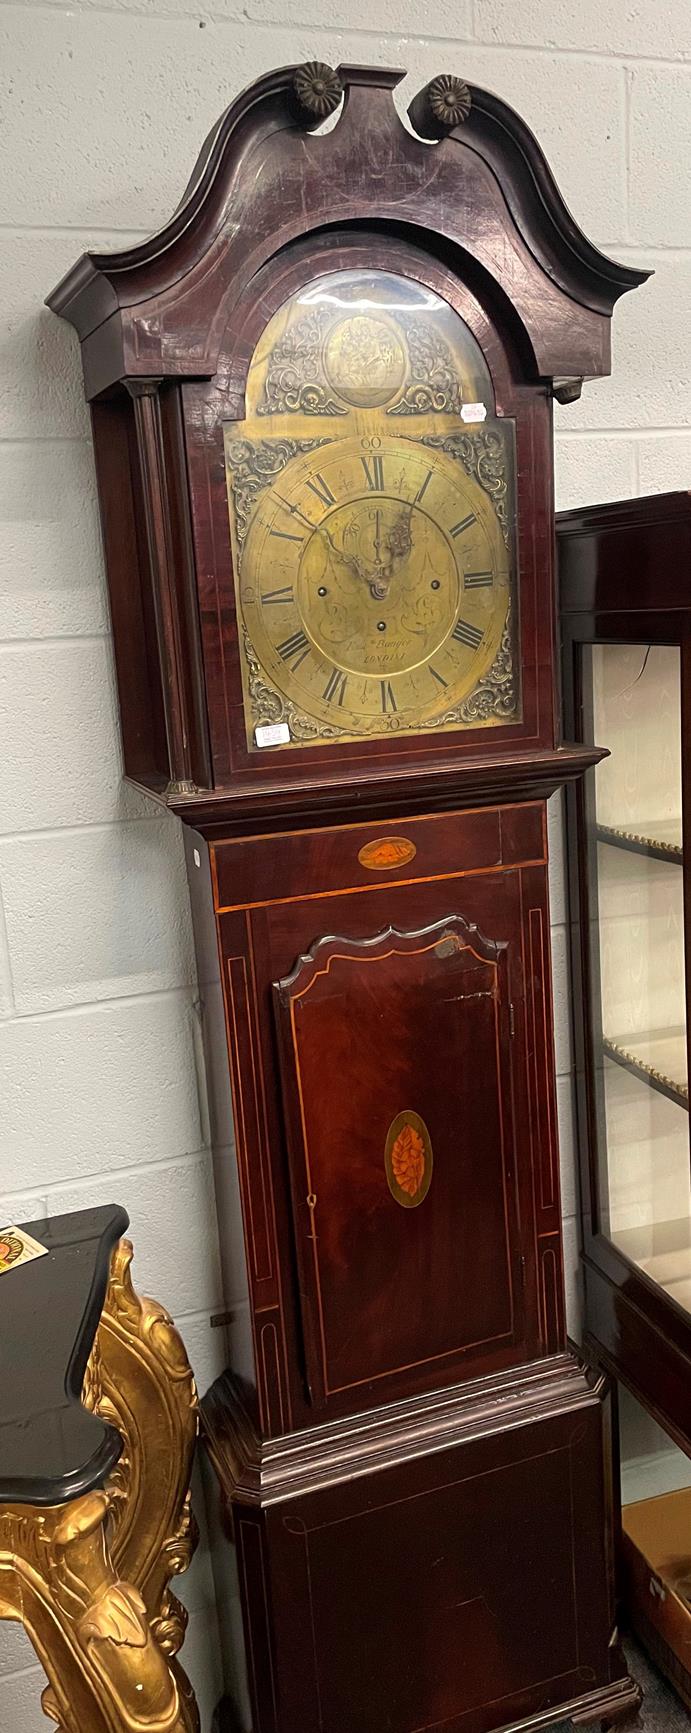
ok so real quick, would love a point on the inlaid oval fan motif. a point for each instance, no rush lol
(408, 1159)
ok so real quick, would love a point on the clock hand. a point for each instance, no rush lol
(398, 545)
(349, 560)
(400, 541)
(377, 536)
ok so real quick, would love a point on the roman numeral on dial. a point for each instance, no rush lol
(423, 488)
(284, 595)
(334, 690)
(295, 649)
(285, 536)
(464, 633)
(388, 701)
(321, 488)
(437, 676)
(464, 523)
(374, 472)
(477, 580)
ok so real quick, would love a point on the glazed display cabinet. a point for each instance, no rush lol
(625, 578)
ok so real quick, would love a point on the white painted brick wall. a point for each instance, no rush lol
(104, 105)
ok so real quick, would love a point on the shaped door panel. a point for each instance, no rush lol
(396, 1064)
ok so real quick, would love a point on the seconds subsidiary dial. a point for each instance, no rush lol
(375, 585)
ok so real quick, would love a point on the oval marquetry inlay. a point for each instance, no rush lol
(408, 1159)
(387, 852)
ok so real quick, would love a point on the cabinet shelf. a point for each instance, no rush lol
(663, 1251)
(660, 840)
(658, 1057)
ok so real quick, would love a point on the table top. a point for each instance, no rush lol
(51, 1448)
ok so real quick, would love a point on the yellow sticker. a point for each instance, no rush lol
(17, 1247)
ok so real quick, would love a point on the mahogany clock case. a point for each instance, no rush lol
(416, 1469)
(624, 589)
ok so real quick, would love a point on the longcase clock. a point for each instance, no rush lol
(322, 415)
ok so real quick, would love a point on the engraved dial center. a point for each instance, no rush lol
(378, 586)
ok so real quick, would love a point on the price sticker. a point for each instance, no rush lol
(272, 734)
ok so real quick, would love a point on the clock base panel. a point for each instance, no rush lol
(446, 1562)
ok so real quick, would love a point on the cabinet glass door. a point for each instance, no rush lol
(633, 694)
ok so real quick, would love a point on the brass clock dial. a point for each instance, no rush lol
(370, 492)
(375, 583)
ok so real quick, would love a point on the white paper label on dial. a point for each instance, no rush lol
(473, 412)
(272, 734)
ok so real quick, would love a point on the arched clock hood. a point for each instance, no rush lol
(467, 169)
